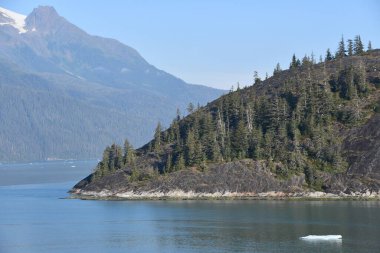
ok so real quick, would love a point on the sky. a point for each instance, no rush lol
(219, 43)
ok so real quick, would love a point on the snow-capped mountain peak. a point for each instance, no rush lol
(14, 19)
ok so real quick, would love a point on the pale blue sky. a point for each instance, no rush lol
(220, 43)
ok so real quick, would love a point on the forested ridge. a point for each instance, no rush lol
(65, 94)
(293, 122)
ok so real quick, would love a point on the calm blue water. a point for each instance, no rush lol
(36, 218)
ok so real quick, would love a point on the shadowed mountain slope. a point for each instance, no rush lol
(66, 94)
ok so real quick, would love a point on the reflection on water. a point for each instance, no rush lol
(35, 218)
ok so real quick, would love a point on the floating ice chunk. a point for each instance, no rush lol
(321, 237)
(73, 166)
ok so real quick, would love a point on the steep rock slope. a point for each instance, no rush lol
(362, 147)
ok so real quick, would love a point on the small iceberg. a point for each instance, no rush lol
(322, 238)
(73, 166)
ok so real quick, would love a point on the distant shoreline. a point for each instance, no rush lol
(47, 161)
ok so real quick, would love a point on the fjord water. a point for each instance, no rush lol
(35, 216)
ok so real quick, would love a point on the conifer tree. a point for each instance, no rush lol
(99, 170)
(254, 144)
(350, 47)
(157, 138)
(369, 48)
(190, 149)
(358, 45)
(256, 78)
(312, 58)
(118, 157)
(295, 62)
(277, 69)
(216, 152)
(227, 148)
(106, 159)
(190, 108)
(199, 155)
(111, 161)
(180, 162)
(346, 83)
(178, 115)
(306, 61)
(129, 154)
(328, 55)
(341, 49)
(360, 80)
(239, 141)
(103, 166)
(268, 141)
(168, 165)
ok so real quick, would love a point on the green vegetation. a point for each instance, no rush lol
(290, 121)
(114, 158)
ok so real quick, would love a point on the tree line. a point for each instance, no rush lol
(354, 47)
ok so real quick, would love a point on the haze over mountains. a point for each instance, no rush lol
(66, 94)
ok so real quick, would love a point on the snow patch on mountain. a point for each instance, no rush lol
(14, 19)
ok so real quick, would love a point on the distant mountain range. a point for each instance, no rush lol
(66, 94)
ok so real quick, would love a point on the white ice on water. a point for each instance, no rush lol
(321, 237)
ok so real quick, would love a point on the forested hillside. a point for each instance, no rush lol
(293, 123)
(66, 94)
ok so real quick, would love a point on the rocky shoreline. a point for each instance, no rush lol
(190, 195)
(244, 179)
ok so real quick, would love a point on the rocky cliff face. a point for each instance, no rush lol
(362, 147)
(245, 176)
